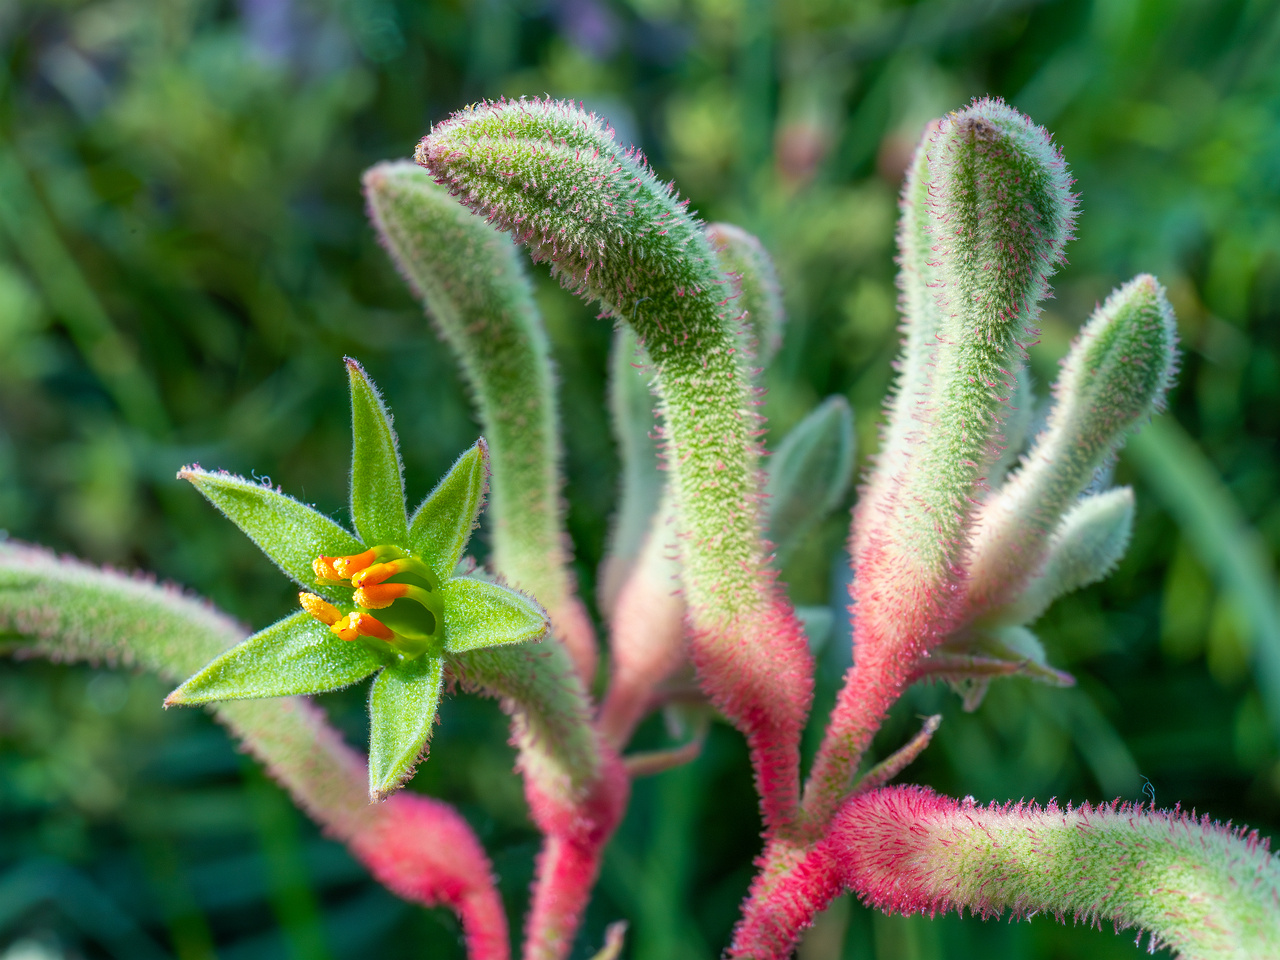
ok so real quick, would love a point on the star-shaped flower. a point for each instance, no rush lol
(384, 602)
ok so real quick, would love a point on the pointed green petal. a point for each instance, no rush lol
(402, 708)
(442, 524)
(377, 481)
(480, 614)
(296, 655)
(292, 534)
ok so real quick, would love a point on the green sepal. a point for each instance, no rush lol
(482, 614)
(971, 661)
(402, 709)
(809, 474)
(442, 525)
(294, 656)
(291, 533)
(377, 476)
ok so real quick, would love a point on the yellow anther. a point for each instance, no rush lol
(325, 571)
(321, 609)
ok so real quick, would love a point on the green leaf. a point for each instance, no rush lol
(377, 480)
(402, 708)
(292, 534)
(809, 473)
(442, 525)
(480, 614)
(296, 655)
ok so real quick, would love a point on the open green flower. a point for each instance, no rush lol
(401, 567)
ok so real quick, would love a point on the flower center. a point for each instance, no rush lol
(404, 590)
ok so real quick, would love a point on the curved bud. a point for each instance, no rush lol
(744, 259)
(1116, 374)
(808, 475)
(476, 292)
(997, 211)
(554, 176)
(1085, 548)
(1208, 891)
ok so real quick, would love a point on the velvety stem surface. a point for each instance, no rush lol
(476, 292)
(1208, 891)
(986, 212)
(554, 177)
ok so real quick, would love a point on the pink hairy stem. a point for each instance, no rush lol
(417, 847)
(888, 641)
(555, 178)
(423, 850)
(646, 638)
(568, 866)
(746, 666)
(1204, 889)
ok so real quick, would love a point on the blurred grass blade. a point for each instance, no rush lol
(80, 902)
(289, 885)
(1188, 484)
(110, 357)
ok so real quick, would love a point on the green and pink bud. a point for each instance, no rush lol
(1208, 891)
(987, 210)
(554, 177)
(1115, 376)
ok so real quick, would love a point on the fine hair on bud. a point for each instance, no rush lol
(1115, 376)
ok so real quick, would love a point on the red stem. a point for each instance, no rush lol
(575, 837)
(423, 850)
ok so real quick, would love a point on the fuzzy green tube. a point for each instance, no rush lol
(554, 177)
(476, 291)
(986, 213)
(1115, 376)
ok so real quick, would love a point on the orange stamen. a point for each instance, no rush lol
(346, 628)
(320, 608)
(379, 595)
(346, 566)
(382, 571)
(359, 624)
(368, 626)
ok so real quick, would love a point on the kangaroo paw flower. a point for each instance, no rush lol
(423, 611)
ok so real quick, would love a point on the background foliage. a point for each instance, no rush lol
(184, 260)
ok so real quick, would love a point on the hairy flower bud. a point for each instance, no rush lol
(1114, 377)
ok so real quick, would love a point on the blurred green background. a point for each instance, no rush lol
(184, 260)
